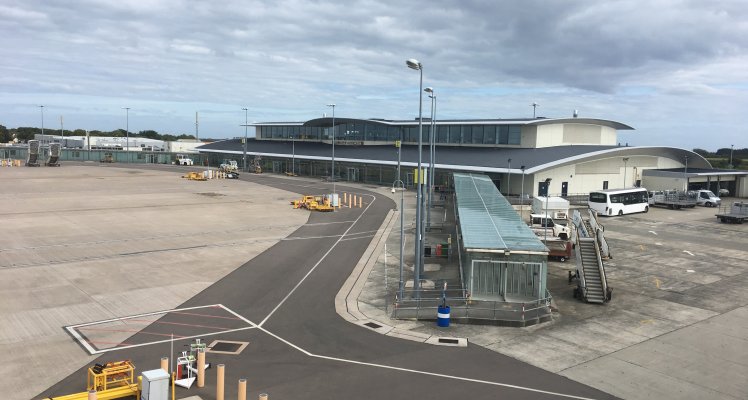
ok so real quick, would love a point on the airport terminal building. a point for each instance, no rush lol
(578, 154)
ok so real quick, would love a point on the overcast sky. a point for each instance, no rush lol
(677, 71)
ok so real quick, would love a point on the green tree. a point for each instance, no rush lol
(702, 152)
(169, 138)
(25, 133)
(150, 134)
(5, 135)
(185, 136)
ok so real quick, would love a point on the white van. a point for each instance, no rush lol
(707, 199)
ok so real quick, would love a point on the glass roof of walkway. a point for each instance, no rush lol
(487, 220)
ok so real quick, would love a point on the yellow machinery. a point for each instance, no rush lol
(314, 203)
(112, 380)
(195, 176)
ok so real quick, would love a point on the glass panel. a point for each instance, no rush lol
(503, 134)
(455, 135)
(489, 134)
(467, 134)
(477, 134)
(442, 134)
(515, 134)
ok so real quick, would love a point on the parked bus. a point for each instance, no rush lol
(619, 201)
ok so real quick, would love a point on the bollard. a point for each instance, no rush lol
(165, 364)
(360, 201)
(263, 396)
(201, 368)
(345, 198)
(219, 381)
(91, 395)
(353, 201)
(242, 389)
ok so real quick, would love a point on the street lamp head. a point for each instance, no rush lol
(429, 90)
(412, 63)
(245, 109)
(331, 105)
(509, 160)
(522, 168)
(547, 180)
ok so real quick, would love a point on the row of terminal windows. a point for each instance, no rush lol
(457, 134)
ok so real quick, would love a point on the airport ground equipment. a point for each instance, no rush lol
(54, 155)
(559, 249)
(256, 165)
(229, 166)
(737, 213)
(538, 224)
(184, 160)
(314, 203)
(195, 176)
(673, 199)
(590, 248)
(33, 158)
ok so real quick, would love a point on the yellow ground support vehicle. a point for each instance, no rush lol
(113, 380)
(195, 176)
(314, 203)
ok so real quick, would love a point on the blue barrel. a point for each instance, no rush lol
(442, 318)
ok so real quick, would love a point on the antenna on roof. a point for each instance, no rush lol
(576, 113)
(534, 106)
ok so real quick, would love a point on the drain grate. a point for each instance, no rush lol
(227, 347)
(373, 325)
(449, 341)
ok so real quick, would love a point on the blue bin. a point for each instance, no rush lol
(442, 318)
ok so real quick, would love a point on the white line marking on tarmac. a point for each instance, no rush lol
(688, 252)
(653, 232)
(415, 371)
(318, 262)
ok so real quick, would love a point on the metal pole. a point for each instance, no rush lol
(402, 243)
(333, 146)
(522, 195)
(127, 130)
(293, 157)
(62, 129)
(625, 164)
(246, 122)
(732, 146)
(416, 65)
(508, 176)
(431, 162)
(42, 108)
(685, 173)
(545, 223)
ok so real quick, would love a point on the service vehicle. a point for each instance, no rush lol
(707, 198)
(559, 249)
(736, 214)
(611, 202)
(184, 160)
(539, 223)
(229, 166)
(673, 199)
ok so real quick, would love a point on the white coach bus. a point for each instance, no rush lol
(619, 201)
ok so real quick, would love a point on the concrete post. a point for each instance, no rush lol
(200, 368)
(360, 201)
(242, 389)
(91, 395)
(165, 364)
(219, 381)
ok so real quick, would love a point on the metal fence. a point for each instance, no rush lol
(423, 305)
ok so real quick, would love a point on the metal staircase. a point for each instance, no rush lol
(592, 284)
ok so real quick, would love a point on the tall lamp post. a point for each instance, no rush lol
(127, 130)
(545, 223)
(625, 163)
(416, 65)
(246, 123)
(42, 108)
(333, 146)
(732, 146)
(522, 191)
(432, 153)
(402, 243)
(685, 173)
(534, 106)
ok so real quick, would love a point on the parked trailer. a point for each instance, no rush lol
(672, 199)
(559, 249)
(737, 214)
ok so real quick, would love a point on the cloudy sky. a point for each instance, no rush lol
(677, 71)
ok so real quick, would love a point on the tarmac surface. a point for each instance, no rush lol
(299, 347)
(677, 327)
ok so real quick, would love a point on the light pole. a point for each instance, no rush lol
(625, 163)
(432, 153)
(62, 132)
(545, 223)
(333, 146)
(732, 146)
(402, 243)
(246, 122)
(293, 156)
(685, 173)
(127, 130)
(508, 176)
(42, 108)
(416, 65)
(534, 106)
(522, 191)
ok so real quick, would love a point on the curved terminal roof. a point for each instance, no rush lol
(487, 220)
(455, 158)
(327, 121)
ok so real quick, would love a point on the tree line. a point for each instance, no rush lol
(721, 157)
(25, 133)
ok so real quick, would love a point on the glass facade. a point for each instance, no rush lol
(362, 130)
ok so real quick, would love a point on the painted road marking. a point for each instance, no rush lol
(76, 331)
(653, 232)
(318, 262)
(688, 252)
